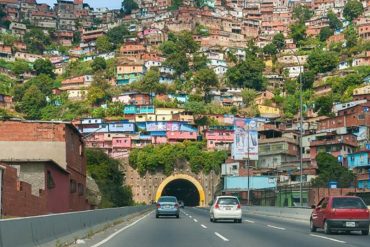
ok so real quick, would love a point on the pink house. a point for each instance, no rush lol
(121, 142)
(219, 139)
(159, 139)
(180, 135)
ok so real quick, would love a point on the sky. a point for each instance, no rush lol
(112, 4)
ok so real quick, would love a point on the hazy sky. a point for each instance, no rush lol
(112, 4)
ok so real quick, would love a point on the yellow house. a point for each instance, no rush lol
(362, 90)
(166, 114)
(145, 117)
(268, 111)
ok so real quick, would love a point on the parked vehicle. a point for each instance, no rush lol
(226, 208)
(340, 213)
(167, 206)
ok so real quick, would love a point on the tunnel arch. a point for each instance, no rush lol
(168, 180)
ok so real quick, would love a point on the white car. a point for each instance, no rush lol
(226, 208)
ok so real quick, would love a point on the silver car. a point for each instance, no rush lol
(167, 206)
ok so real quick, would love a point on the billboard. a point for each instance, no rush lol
(173, 126)
(245, 145)
(156, 126)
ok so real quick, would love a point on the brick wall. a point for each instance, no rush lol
(17, 196)
(316, 194)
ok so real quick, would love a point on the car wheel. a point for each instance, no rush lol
(313, 228)
(157, 216)
(327, 228)
(177, 216)
(210, 219)
(236, 220)
(239, 220)
(365, 232)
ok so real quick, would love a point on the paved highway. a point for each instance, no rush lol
(194, 229)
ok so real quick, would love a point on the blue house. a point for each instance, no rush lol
(360, 161)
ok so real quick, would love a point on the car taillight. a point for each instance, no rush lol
(176, 205)
(238, 206)
(216, 206)
(158, 205)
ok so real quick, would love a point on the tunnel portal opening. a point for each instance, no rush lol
(184, 190)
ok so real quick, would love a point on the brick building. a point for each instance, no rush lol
(49, 157)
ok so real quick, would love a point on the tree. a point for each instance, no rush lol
(44, 66)
(118, 34)
(32, 102)
(279, 41)
(150, 82)
(351, 36)
(298, 32)
(270, 49)
(99, 64)
(302, 13)
(103, 45)
(334, 22)
(205, 80)
(324, 105)
(175, 4)
(352, 10)
(331, 170)
(20, 67)
(199, 62)
(128, 6)
(109, 178)
(308, 78)
(325, 33)
(247, 73)
(248, 95)
(322, 61)
(36, 41)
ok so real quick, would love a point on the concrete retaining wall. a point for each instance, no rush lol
(292, 213)
(41, 230)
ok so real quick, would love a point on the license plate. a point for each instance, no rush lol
(167, 207)
(350, 224)
(228, 208)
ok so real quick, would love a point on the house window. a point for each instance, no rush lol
(81, 190)
(72, 186)
(49, 180)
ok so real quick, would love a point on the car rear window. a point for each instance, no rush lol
(227, 201)
(348, 203)
(167, 199)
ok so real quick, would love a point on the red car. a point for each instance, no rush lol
(340, 213)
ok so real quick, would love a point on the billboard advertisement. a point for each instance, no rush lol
(173, 126)
(156, 126)
(245, 144)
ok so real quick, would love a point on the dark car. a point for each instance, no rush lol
(167, 206)
(340, 213)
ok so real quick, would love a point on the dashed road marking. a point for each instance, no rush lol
(203, 226)
(195, 220)
(327, 238)
(190, 216)
(250, 221)
(222, 237)
(276, 227)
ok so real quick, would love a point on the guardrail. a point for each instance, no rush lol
(292, 213)
(46, 229)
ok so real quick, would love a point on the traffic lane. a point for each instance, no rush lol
(165, 231)
(303, 226)
(272, 234)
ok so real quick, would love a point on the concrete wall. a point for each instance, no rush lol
(34, 174)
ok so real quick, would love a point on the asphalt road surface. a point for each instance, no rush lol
(194, 229)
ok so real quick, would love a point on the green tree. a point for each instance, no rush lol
(6, 84)
(196, 107)
(325, 33)
(175, 4)
(128, 6)
(118, 34)
(247, 73)
(44, 66)
(334, 22)
(98, 92)
(150, 82)
(248, 95)
(331, 170)
(199, 62)
(109, 178)
(324, 105)
(36, 41)
(352, 10)
(322, 61)
(350, 34)
(298, 32)
(279, 41)
(32, 102)
(20, 67)
(270, 49)
(205, 80)
(99, 64)
(103, 44)
(308, 78)
(302, 13)
(42, 82)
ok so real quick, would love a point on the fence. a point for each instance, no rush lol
(47, 229)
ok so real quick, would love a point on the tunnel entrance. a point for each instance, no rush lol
(184, 190)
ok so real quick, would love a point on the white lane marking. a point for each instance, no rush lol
(190, 216)
(222, 237)
(249, 221)
(204, 226)
(331, 239)
(276, 227)
(195, 220)
(119, 231)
